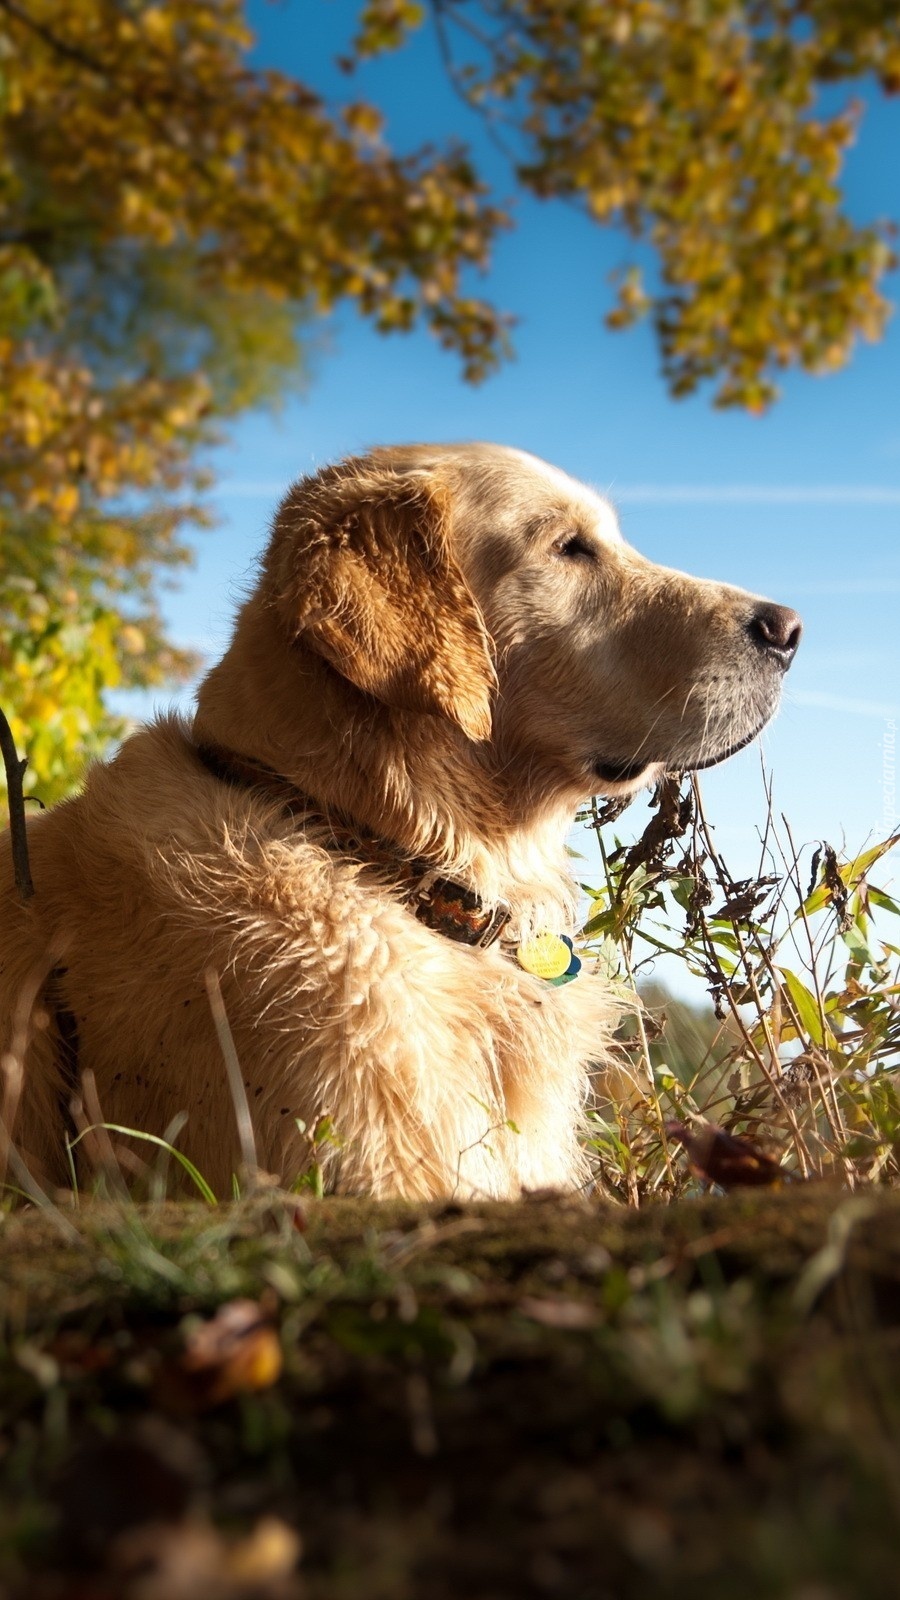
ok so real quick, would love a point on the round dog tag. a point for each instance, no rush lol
(545, 956)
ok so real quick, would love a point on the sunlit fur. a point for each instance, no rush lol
(422, 656)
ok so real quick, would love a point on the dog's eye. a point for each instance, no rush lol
(573, 547)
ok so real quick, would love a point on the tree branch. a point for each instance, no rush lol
(61, 47)
(107, 75)
(14, 773)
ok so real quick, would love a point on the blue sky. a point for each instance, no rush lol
(802, 505)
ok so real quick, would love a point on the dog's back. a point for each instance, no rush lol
(438, 1066)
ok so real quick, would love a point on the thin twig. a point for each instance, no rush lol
(768, 1073)
(489, 115)
(12, 1060)
(15, 771)
(828, 1088)
(97, 1135)
(648, 1063)
(29, 1184)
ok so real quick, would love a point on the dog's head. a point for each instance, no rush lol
(478, 584)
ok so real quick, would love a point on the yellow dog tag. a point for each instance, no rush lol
(545, 956)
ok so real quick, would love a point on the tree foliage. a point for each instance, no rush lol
(170, 218)
(166, 216)
(699, 126)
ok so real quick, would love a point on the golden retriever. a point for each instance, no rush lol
(362, 832)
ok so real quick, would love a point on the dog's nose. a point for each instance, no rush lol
(777, 630)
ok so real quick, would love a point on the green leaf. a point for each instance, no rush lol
(806, 1006)
(195, 1176)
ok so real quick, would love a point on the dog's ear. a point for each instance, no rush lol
(364, 575)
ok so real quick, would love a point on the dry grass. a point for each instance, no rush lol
(800, 1042)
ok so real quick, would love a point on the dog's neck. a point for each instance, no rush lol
(410, 778)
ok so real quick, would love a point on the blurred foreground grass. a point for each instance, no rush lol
(556, 1398)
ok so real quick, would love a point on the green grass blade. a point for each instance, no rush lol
(162, 1144)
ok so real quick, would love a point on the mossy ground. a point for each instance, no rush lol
(489, 1401)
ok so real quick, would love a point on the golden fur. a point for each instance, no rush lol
(451, 646)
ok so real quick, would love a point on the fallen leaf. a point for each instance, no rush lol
(271, 1551)
(559, 1313)
(726, 1159)
(236, 1352)
(191, 1560)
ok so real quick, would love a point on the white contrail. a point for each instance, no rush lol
(848, 586)
(843, 704)
(760, 494)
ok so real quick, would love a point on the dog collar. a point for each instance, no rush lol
(448, 907)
